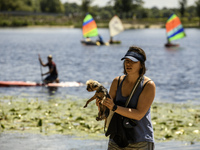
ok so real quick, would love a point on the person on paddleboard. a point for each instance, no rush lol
(53, 73)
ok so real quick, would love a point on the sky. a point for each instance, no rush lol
(148, 3)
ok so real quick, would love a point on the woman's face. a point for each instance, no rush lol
(132, 67)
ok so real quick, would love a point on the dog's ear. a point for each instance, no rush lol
(95, 85)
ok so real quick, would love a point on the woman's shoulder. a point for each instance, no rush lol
(148, 81)
(119, 78)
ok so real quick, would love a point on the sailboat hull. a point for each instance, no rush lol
(89, 42)
(94, 43)
(115, 42)
(171, 45)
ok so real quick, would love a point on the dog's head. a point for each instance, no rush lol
(92, 85)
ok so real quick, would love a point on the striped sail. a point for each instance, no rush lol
(174, 28)
(89, 26)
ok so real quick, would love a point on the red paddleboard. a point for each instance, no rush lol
(22, 83)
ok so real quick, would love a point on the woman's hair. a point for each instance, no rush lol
(141, 52)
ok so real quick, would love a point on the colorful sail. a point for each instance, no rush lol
(174, 28)
(89, 26)
(115, 26)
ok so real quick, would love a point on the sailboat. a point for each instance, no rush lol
(89, 29)
(174, 30)
(115, 27)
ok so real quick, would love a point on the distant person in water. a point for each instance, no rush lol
(100, 40)
(53, 73)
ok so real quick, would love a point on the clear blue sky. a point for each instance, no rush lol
(148, 3)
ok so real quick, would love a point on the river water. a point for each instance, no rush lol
(175, 71)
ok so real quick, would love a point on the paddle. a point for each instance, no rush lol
(40, 69)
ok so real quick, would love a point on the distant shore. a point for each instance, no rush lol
(126, 26)
(64, 21)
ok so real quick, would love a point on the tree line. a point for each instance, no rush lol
(125, 9)
(122, 8)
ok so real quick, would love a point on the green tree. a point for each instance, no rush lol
(142, 13)
(198, 9)
(17, 5)
(155, 11)
(124, 8)
(51, 6)
(86, 6)
(165, 13)
(183, 4)
(72, 9)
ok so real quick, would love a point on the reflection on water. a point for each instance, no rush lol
(52, 90)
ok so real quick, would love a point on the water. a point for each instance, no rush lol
(174, 71)
(27, 141)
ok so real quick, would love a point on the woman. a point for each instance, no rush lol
(139, 106)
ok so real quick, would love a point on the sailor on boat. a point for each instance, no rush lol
(53, 73)
(88, 39)
(111, 40)
(100, 40)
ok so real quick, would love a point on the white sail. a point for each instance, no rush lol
(115, 26)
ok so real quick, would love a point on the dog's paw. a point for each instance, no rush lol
(97, 118)
(85, 106)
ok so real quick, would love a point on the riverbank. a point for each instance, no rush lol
(178, 122)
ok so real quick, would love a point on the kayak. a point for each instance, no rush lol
(28, 84)
(115, 42)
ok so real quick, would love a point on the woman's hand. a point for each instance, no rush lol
(108, 102)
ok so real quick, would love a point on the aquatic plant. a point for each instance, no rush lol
(170, 121)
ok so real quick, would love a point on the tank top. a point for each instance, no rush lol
(143, 131)
(53, 65)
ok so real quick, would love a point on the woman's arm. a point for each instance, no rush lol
(144, 102)
(109, 102)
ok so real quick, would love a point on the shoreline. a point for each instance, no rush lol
(126, 26)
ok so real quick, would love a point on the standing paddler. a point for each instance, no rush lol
(53, 73)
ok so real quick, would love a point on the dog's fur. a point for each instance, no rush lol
(102, 94)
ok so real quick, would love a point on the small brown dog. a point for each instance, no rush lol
(101, 93)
